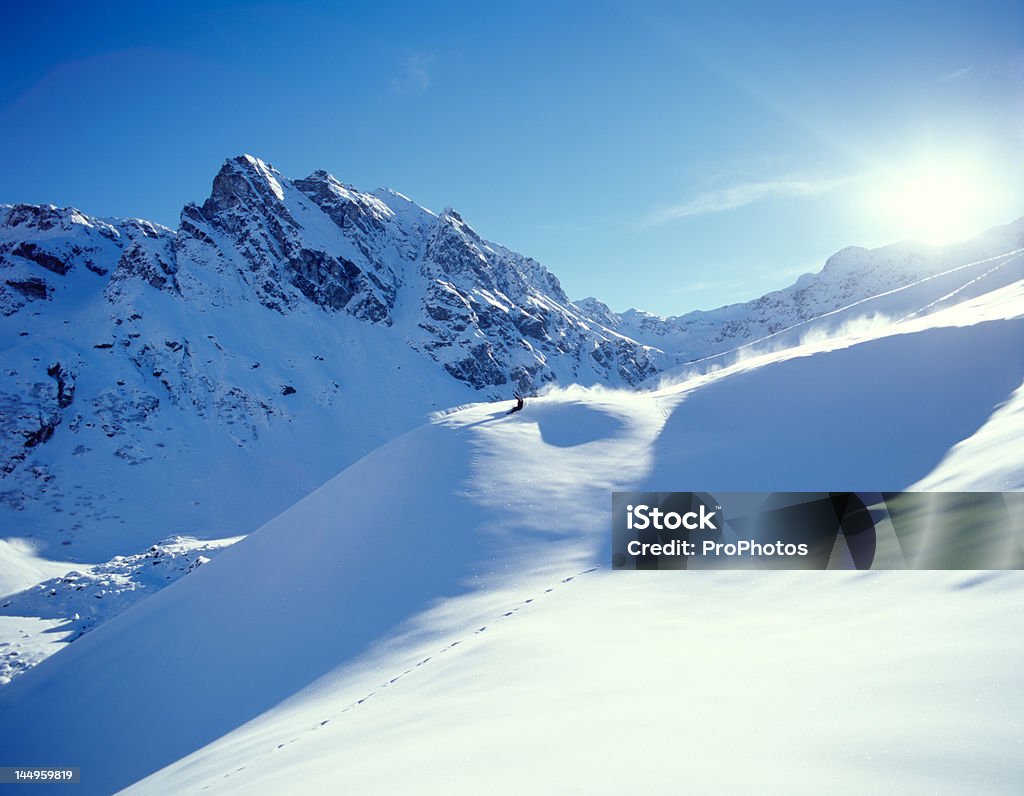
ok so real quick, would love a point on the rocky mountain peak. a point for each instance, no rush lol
(244, 182)
(353, 211)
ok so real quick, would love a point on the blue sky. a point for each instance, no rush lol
(670, 156)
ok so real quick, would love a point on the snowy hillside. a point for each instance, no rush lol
(439, 617)
(38, 621)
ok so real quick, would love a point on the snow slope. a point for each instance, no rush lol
(37, 622)
(438, 618)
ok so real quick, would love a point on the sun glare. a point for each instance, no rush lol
(936, 202)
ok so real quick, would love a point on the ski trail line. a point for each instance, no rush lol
(355, 704)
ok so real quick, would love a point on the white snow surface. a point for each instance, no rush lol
(438, 618)
(37, 621)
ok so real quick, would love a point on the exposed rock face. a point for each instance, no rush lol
(30, 417)
(279, 239)
(494, 317)
(42, 246)
(150, 260)
(65, 384)
(31, 288)
(31, 251)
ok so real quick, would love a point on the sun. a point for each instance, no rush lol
(937, 201)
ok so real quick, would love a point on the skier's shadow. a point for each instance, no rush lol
(571, 425)
(489, 419)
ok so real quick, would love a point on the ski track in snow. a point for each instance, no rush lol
(817, 328)
(423, 662)
(1012, 257)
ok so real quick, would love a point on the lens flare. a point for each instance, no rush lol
(939, 201)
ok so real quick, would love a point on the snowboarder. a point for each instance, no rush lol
(519, 404)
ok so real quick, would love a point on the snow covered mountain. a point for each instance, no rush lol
(891, 281)
(156, 380)
(440, 616)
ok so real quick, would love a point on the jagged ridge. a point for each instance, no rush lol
(278, 310)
